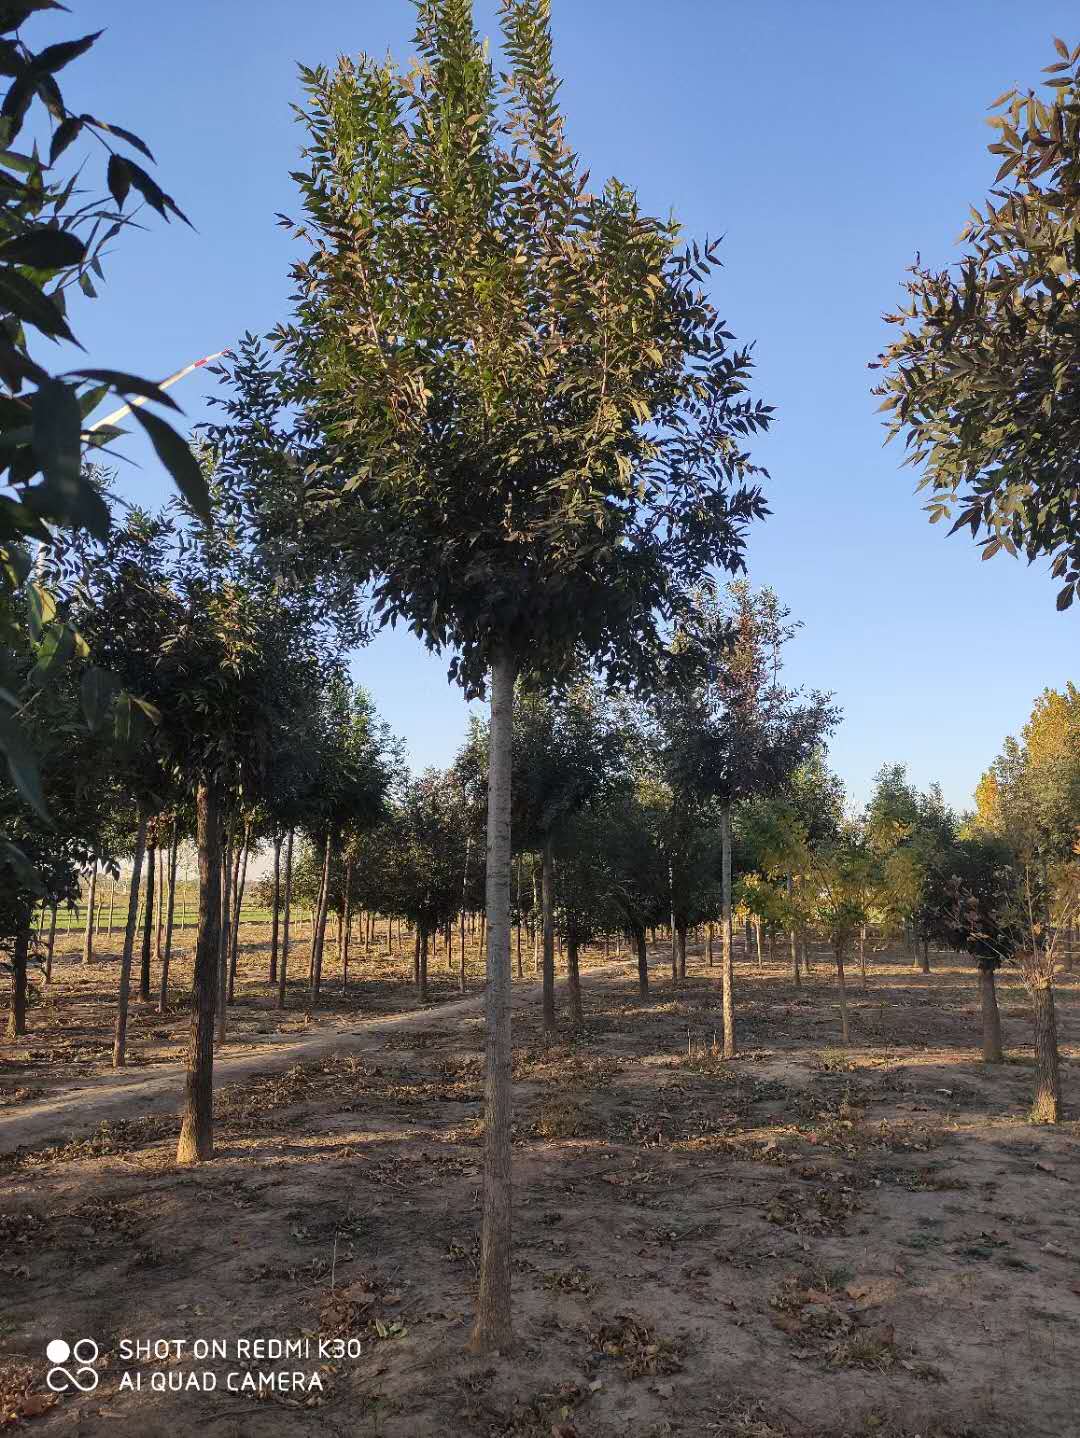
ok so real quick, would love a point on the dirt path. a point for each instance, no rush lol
(79, 1107)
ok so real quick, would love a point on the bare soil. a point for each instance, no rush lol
(810, 1240)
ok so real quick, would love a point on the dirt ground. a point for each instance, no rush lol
(71, 1019)
(809, 1240)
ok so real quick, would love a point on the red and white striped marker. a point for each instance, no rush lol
(118, 414)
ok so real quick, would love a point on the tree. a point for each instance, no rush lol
(585, 896)
(533, 422)
(425, 841)
(843, 878)
(128, 613)
(1034, 900)
(43, 862)
(54, 233)
(632, 861)
(911, 834)
(733, 730)
(350, 782)
(959, 909)
(981, 379)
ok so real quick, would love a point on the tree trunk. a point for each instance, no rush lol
(17, 1017)
(112, 903)
(842, 988)
(148, 924)
(535, 925)
(88, 937)
(416, 958)
(708, 945)
(234, 943)
(197, 1129)
(547, 919)
(728, 972)
(573, 983)
(642, 963)
(1046, 1107)
(170, 915)
(422, 962)
(161, 853)
(50, 944)
(680, 934)
(283, 962)
(321, 917)
(492, 1327)
(674, 935)
(275, 922)
(346, 926)
(924, 949)
(225, 901)
(793, 940)
(862, 953)
(991, 1019)
(120, 1036)
(232, 878)
(520, 970)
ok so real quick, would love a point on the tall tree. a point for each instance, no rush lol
(55, 231)
(533, 422)
(733, 730)
(981, 379)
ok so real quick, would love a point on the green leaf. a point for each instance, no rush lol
(47, 248)
(97, 689)
(129, 722)
(1065, 597)
(127, 135)
(57, 425)
(119, 180)
(78, 505)
(23, 765)
(91, 398)
(41, 609)
(25, 300)
(175, 454)
(55, 57)
(153, 194)
(17, 101)
(21, 867)
(65, 133)
(152, 712)
(57, 647)
(14, 13)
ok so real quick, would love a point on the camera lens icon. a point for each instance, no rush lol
(84, 1353)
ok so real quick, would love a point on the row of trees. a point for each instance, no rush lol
(507, 413)
(512, 413)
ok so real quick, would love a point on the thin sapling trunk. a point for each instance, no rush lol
(120, 1035)
(492, 1327)
(196, 1142)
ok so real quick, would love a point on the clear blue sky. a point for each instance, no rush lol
(827, 142)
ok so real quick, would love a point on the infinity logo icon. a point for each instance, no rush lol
(85, 1353)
